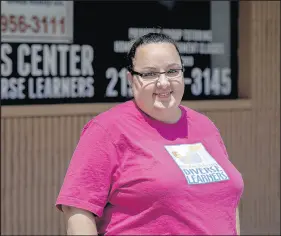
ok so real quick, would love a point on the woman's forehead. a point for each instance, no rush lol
(155, 54)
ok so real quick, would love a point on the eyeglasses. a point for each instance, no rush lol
(170, 74)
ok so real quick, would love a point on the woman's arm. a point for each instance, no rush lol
(79, 222)
(237, 221)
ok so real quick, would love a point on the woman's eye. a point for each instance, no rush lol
(149, 74)
(171, 71)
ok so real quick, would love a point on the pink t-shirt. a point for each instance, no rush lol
(142, 177)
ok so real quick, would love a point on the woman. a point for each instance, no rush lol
(151, 166)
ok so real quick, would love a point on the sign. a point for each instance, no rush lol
(90, 66)
(36, 21)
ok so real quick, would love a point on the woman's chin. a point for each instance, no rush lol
(161, 105)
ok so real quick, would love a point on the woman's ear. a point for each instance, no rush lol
(130, 78)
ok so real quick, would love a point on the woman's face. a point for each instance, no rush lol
(163, 93)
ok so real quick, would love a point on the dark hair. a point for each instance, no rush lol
(147, 39)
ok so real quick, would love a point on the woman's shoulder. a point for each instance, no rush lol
(199, 119)
(115, 115)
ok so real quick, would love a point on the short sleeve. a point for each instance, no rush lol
(89, 175)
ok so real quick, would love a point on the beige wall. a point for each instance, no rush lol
(37, 142)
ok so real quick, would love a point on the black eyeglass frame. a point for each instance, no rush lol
(159, 73)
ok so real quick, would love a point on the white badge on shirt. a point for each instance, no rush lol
(198, 166)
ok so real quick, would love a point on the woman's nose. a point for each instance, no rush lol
(163, 81)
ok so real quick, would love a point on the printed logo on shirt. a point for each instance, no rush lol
(198, 166)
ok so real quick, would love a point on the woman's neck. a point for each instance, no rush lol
(169, 116)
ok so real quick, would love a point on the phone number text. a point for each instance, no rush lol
(14, 24)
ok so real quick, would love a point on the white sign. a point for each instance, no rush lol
(37, 21)
(196, 163)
